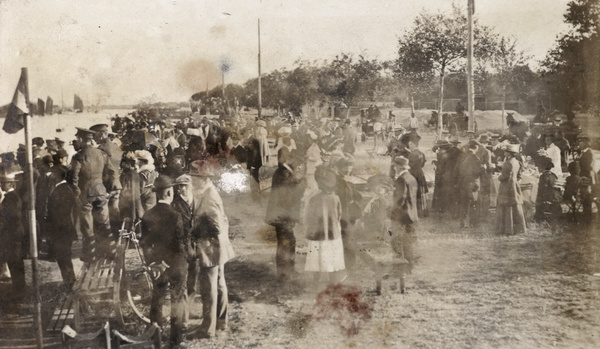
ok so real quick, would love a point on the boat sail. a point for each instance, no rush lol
(49, 105)
(78, 104)
(40, 107)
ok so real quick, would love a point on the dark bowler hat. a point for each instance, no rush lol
(484, 138)
(162, 182)
(99, 128)
(325, 176)
(442, 143)
(59, 142)
(61, 153)
(402, 162)
(583, 138)
(51, 144)
(345, 161)
(7, 157)
(39, 141)
(84, 132)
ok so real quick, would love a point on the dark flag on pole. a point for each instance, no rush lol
(18, 107)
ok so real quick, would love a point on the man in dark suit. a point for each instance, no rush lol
(12, 233)
(404, 209)
(283, 210)
(167, 250)
(93, 176)
(587, 165)
(451, 177)
(60, 220)
(185, 204)
(349, 197)
(469, 171)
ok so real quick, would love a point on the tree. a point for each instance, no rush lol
(506, 63)
(437, 44)
(346, 78)
(572, 67)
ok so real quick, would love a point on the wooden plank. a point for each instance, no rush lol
(95, 284)
(89, 276)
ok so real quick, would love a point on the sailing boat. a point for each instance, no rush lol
(62, 108)
(40, 107)
(78, 104)
(49, 105)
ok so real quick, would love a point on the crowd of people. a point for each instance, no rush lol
(159, 174)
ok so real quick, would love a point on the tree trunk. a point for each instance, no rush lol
(441, 107)
(503, 100)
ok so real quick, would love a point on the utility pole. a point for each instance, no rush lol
(470, 92)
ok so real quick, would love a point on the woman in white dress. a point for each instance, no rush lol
(323, 230)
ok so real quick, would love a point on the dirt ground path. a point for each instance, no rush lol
(469, 289)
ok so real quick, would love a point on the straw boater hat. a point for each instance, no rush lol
(9, 177)
(285, 131)
(144, 155)
(162, 182)
(261, 123)
(202, 168)
(401, 162)
(513, 148)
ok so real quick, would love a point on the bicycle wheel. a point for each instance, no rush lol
(139, 294)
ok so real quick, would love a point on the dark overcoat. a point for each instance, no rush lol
(286, 197)
(404, 209)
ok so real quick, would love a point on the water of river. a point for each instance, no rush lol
(46, 127)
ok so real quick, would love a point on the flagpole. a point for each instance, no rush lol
(33, 250)
(470, 92)
(259, 75)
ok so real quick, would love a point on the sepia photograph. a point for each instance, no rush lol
(300, 174)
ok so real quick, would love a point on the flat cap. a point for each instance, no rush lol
(183, 179)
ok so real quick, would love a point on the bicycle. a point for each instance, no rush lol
(136, 284)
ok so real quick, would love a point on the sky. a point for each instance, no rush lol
(124, 52)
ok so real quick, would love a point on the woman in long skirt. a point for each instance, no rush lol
(510, 219)
(324, 231)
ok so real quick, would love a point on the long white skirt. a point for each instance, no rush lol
(325, 256)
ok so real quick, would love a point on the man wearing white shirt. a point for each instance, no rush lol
(553, 152)
(414, 122)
